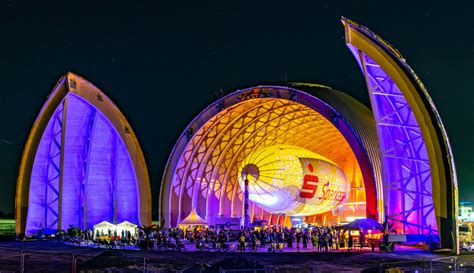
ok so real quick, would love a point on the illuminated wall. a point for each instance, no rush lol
(419, 177)
(82, 171)
(203, 169)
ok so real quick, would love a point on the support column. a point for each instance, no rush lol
(61, 165)
(85, 168)
(53, 172)
(246, 218)
(114, 179)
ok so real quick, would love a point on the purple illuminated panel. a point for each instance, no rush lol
(98, 178)
(101, 174)
(75, 142)
(44, 185)
(406, 167)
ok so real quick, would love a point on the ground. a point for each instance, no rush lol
(52, 256)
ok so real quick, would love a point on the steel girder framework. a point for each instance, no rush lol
(420, 184)
(52, 173)
(203, 175)
(407, 173)
(236, 134)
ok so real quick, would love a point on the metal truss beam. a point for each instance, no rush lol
(407, 177)
(53, 172)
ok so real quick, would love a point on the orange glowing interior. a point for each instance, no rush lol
(206, 177)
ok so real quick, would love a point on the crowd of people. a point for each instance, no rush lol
(109, 238)
(273, 239)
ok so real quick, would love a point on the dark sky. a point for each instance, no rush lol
(162, 63)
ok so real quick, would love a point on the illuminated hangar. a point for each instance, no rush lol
(310, 152)
(81, 165)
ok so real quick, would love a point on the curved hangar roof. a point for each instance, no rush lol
(81, 165)
(415, 162)
(202, 169)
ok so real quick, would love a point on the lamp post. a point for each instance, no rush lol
(246, 203)
(253, 171)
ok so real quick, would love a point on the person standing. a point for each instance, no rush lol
(305, 240)
(320, 241)
(314, 241)
(330, 241)
(253, 238)
(326, 241)
(242, 242)
(350, 242)
(361, 239)
(298, 239)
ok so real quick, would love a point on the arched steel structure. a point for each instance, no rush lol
(410, 180)
(419, 176)
(202, 169)
(82, 164)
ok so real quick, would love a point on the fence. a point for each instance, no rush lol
(92, 264)
(17, 261)
(271, 270)
(13, 260)
(458, 264)
(10, 260)
(404, 266)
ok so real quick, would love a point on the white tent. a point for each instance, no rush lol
(126, 226)
(103, 228)
(193, 219)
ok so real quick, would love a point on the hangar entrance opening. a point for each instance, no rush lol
(286, 141)
(396, 160)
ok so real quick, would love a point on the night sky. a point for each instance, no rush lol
(162, 63)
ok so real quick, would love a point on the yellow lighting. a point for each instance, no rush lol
(293, 181)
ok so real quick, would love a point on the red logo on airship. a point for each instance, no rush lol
(310, 184)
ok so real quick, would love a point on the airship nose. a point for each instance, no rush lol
(293, 181)
(250, 172)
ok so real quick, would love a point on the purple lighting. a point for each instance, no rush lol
(406, 166)
(82, 173)
(418, 172)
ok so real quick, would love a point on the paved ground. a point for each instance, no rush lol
(49, 256)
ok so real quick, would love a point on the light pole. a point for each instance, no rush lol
(254, 172)
(246, 203)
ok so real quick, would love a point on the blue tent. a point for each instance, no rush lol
(365, 224)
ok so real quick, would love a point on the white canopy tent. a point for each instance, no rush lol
(104, 227)
(127, 226)
(193, 219)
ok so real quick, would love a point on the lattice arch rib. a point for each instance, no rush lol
(202, 170)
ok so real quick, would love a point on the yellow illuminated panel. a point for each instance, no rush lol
(293, 181)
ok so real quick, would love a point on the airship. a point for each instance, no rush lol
(293, 181)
